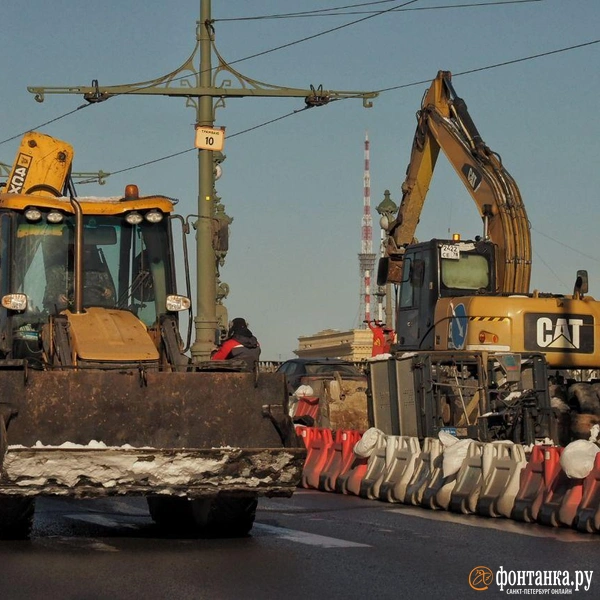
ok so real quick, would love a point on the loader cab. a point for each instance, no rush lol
(127, 265)
(439, 269)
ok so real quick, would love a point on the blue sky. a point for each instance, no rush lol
(294, 188)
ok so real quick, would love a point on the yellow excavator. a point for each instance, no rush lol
(98, 395)
(469, 300)
(444, 123)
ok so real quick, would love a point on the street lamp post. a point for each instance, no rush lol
(387, 209)
(201, 92)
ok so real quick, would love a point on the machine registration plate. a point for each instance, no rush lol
(450, 251)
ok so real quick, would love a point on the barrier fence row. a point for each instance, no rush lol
(497, 479)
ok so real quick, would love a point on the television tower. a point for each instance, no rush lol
(366, 257)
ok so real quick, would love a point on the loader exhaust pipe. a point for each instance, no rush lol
(78, 257)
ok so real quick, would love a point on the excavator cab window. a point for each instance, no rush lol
(406, 290)
(465, 272)
(413, 277)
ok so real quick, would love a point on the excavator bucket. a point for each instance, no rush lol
(91, 433)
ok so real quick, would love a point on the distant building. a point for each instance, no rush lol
(354, 344)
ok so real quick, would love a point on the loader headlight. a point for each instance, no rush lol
(177, 303)
(33, 214)
(14, 301)
(154, 216)
(54, 216)
(134, 218)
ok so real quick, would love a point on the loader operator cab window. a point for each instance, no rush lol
(124, 267)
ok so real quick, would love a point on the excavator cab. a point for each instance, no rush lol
(440, 269)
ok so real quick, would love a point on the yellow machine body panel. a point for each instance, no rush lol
(565, 329)
(41, 167)
(89, 206)
(102, 334)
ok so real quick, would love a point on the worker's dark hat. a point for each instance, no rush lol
(238, 322)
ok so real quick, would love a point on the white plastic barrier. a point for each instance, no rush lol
(439, 488)
(401, 455)
(369, 486)
(502, 480)
(465, 494)
(423, 471)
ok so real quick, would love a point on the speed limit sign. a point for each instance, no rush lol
(210, 138)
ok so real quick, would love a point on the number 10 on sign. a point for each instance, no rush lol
(210, 138)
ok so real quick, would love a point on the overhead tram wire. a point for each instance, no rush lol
(381, 91)
(156, 160)
(306, 13)
(325, 32)
(329, 12)
(494, 66)
(566, 245)
(186, 76)
(537, 255)
(393, 9)
(19, 135)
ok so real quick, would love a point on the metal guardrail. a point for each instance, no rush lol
(270, 366)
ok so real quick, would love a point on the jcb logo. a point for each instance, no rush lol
(19, 174)
(564, 333)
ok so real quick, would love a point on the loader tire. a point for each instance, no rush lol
(16, 517)
(224, 516)
(168, 512)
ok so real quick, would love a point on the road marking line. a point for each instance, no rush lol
(56, 542)
(100, 520)
(560, 535)
(311, 539)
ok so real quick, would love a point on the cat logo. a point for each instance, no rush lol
(19, 174)
(559, 333)
(472, 176)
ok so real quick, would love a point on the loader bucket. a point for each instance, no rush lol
(107, 432)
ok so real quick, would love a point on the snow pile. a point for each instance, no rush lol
(61, 469)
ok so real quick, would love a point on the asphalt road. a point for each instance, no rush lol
(311, 546)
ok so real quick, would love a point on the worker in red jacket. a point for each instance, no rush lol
(240, 344)
(383, 338)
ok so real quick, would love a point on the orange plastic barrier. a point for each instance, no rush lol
(306, 433)
(339, 459)
(350, 481)
(561, 500)
(541, 469)
(588, 513)
(307, 405)
(318, 443)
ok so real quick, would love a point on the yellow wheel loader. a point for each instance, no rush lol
(97, 395)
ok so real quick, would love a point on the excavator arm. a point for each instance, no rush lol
(444, 123)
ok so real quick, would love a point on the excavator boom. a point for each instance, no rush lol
(444, 124)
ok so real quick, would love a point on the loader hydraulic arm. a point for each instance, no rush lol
(444, 123)
(42, 166)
